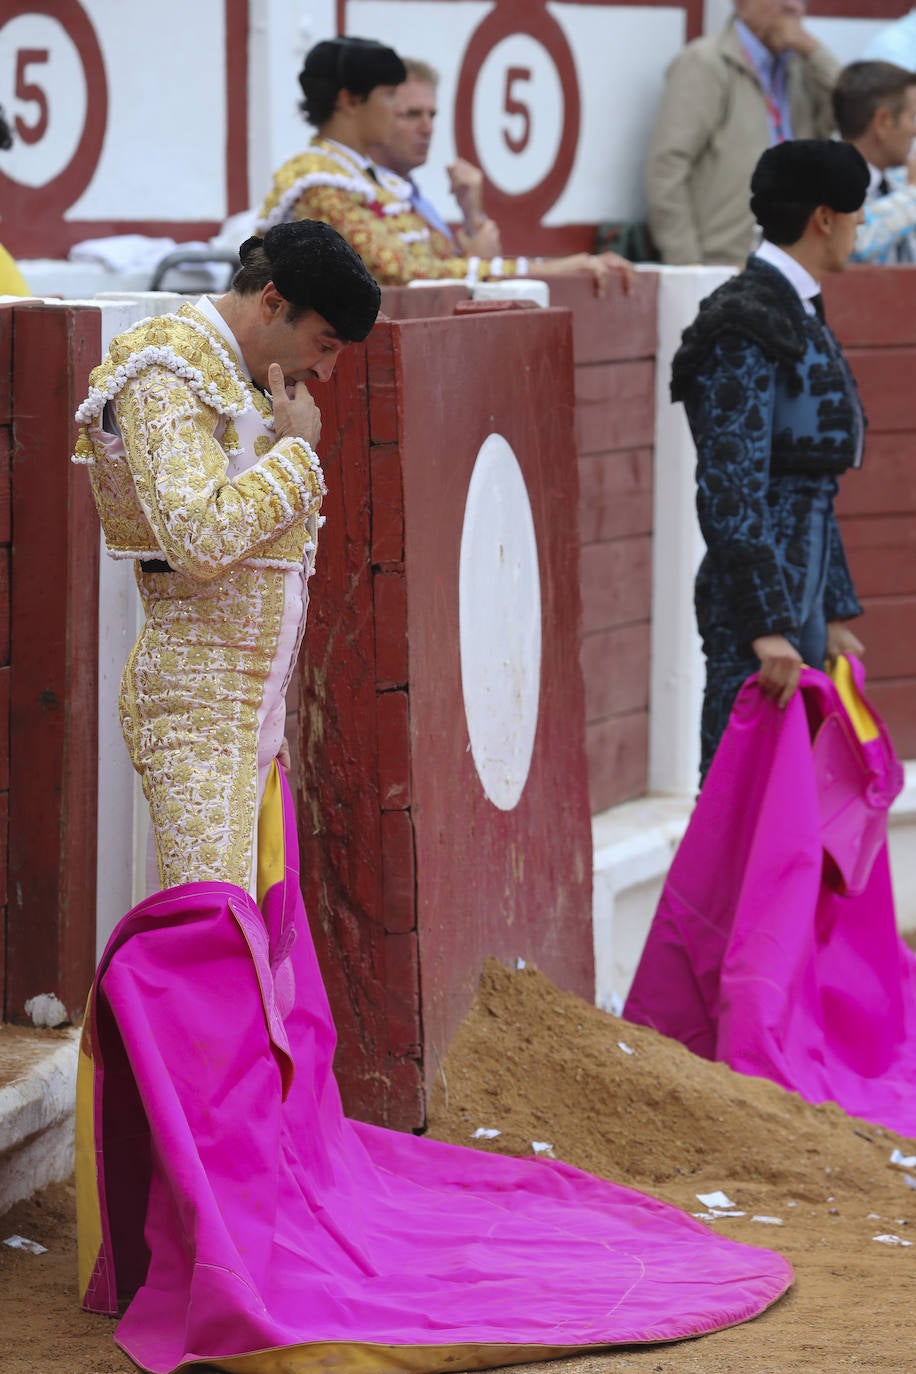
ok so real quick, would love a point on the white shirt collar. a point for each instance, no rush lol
(798, 276)
(206, 307)
(874, 176)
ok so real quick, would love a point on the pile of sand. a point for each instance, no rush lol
(538, 1064)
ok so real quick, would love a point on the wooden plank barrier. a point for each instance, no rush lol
(412, 875)
(873, 312)
(6, 448)
(614, 341)
(49, 639)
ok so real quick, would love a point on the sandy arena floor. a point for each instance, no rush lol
(538, 1064)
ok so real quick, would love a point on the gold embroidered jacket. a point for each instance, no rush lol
(376, 217)
(166, 490)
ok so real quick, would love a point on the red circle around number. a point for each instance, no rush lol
(58, 194)
(508, 18)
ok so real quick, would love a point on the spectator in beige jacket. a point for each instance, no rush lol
(727, 98)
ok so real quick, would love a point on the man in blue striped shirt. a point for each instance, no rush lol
(875, 107)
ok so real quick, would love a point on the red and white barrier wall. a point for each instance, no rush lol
(554, 99)
(396, 720)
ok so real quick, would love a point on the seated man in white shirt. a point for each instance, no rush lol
(407, 149)
(875, 107)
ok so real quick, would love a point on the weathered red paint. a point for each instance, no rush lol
(387, 505)
(614, 347)
(615, 327)
(54, 666)
(863, 306)
(873, 311)
(613, 666)
(617, 748)
(616, 581)
(615, 405)
(885, 379)
(893, 698)
(237, 198)
(432, 299)
(615, 494)
(885, 482)
(6, 416)
(882, 549)
(394, 750)
(412, 876)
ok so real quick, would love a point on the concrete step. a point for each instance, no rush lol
(37, 1094)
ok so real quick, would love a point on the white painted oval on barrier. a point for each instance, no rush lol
(499, 617)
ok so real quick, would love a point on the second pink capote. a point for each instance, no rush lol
(774, 947)
(244, 1216)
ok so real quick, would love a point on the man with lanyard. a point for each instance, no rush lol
(349, 88)
(407, 149)
(875, 104)
(775, 417)
(727, 98)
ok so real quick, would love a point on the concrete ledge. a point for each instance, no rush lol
(37, 1095)
(902, 846)
(633, 848)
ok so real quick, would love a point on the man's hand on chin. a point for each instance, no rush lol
(788, 34)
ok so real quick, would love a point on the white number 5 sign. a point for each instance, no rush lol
(52, 77)
(517, 107)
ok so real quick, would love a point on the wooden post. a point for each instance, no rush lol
(6, 444)
(412, 875)
(54, 666)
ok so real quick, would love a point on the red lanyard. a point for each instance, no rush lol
(773, 111)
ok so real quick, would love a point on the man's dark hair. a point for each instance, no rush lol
(792, 179)
(356, 65)
(254, 274)
(319, 99)
(863, 88)
(313, 268)
(784, 222)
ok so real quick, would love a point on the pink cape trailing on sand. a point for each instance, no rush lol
(774, 947)
(254, 1227)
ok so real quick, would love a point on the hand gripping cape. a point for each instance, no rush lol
(249, 1224)
(774, 947)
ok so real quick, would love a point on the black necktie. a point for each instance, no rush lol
(818, 303)
(883, 187)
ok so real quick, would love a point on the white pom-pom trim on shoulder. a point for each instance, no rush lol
(157, 355)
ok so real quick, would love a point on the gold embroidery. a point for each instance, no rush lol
(165, 491)
(190, 696)
(195, 689)
(324, 184)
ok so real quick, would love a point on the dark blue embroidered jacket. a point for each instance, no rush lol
(775, 417)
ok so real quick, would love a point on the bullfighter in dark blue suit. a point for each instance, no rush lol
(776, 418)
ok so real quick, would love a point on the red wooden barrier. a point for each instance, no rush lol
(412, 876)
(53, 677)
(6, 446)
(873, 311)
(615, 342)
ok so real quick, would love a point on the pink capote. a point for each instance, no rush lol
(272, 1221)
(774, 947)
